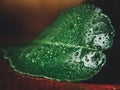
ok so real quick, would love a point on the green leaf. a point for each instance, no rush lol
(68, 50)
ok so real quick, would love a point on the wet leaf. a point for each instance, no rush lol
(68, 50)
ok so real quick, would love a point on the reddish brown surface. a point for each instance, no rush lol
(9, 80)
(31, 16)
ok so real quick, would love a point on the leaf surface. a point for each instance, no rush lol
(68, 50)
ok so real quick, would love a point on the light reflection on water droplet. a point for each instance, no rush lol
(33, 60)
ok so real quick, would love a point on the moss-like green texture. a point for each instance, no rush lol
(68, 50)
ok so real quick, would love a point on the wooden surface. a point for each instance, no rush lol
(23, 19)
(10, 80)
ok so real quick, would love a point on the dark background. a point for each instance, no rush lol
(10, 27)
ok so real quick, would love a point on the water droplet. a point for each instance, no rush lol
(33, 60)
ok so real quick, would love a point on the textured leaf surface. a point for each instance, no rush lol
(68, 50)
